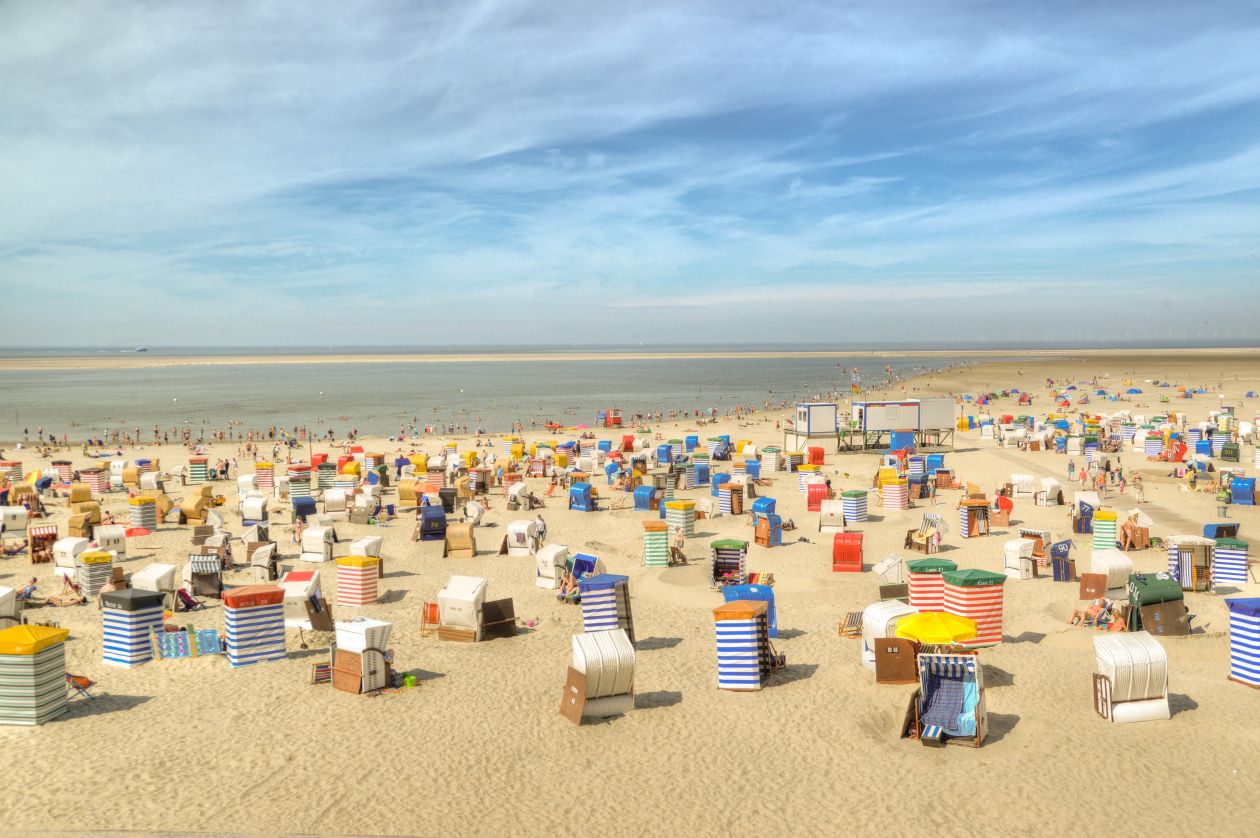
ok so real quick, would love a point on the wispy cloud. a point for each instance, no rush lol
(657, 170)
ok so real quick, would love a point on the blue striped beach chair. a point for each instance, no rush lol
(950, 704)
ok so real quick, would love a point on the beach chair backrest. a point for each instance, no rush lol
(583, 565)
(931, 523)
(757, 593)
(261, 557)
(933, 668)
(889, 570)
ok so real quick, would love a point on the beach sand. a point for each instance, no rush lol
(132, 360)
(479, 747)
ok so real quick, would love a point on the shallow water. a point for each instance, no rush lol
(378, 398)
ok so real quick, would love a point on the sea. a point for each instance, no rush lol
(386, 398)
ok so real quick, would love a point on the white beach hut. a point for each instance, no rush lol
(880, 620)
(606, 658)
(1116, 566)
(1131, 684)
(1017, 558)
(521, 538)
(460, 603)
(550, 563)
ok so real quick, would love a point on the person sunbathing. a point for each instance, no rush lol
(28, 592)
(13, 551)
(568, 588)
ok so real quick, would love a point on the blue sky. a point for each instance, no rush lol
(477, 172)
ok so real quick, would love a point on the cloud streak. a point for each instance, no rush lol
(657, 168)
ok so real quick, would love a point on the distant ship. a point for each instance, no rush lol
(141, 349)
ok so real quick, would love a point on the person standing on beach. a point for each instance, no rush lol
(1071, 469)
(678, 547)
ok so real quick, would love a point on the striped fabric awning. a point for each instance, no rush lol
(204, 564)
(931, 521)
(949, 666)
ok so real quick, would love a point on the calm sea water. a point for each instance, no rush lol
(377, 398)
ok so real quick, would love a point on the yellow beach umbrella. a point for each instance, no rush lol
(936, 627)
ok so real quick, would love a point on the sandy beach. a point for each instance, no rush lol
(479, 748)
(141, 360)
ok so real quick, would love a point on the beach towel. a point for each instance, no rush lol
(944, 702)
(173, 645)
(209, 642)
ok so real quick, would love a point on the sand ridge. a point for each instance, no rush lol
(146, 360)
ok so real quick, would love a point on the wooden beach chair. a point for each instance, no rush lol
(430, 618)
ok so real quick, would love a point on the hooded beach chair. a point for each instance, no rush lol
(262, 562)
(1083, 518)
(756, 593)
(927, 538)
(949, 705)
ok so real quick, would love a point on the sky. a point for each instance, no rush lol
(584, 172)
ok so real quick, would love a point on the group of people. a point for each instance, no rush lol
(1102, 475)
(569, 583)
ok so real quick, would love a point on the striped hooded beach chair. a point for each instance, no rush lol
(927, 538)
(950, 705)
